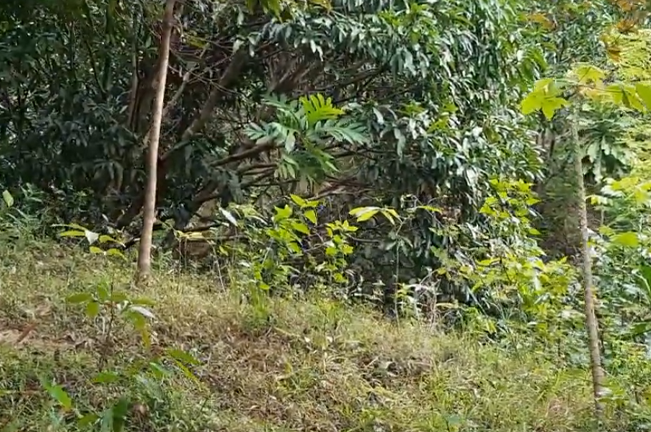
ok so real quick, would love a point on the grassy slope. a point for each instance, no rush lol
(308, 366)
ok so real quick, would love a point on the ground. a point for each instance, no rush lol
(278, 365)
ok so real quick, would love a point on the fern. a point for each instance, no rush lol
(317, 108)
(311, 121)
(341, 130)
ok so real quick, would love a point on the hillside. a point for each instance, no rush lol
(282, 365)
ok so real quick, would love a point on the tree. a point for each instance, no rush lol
(153, 138)
(592, 324)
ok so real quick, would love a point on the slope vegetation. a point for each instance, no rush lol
(268, 365)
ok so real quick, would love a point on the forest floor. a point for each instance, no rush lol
(302, 365)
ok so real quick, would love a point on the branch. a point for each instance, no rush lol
(228, 77)
(245, 154)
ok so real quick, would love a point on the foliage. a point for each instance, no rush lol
(412, 156)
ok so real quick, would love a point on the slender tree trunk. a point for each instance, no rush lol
(590, 317)
(149, 212)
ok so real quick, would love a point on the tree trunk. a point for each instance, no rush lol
(590, 317)
(149, 212)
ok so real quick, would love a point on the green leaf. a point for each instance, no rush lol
(290, 141)
(301, 227)
(59, 394)
(298, 200)
(92, 309)
(138, 320)
(628, 239)
(159, 370)
(311, 216)
(531, 103)
(542, 85)
(107, 239)
(79, 298)
(389, 216)
(120, 412)
(8, 199)
(118, 297)
(317, 108)
(364, 213)
(87, 420)
(107, 420)
(186, 371)
(102, 293)
(552, 104)
(183, 356)
(95, 250)
(587, 73)
(143, 301)
(282, 213)
(644, 93)
(115, 252)
(72, 233)
(106, 378)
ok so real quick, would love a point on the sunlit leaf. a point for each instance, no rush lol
(61, 396)
(644, 93)
(72, 233)
(229, 216)
(311, 216)
(298, 200)
(587, 73)
(628, 239)
(300, 227)
(8, 198)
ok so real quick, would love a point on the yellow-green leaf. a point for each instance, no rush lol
(72, 233)
(282, 213)
(79, 298)
(366, 215)
(115, 252)
(628, 239)
(8, 199)
(389, 216)
(92, 309)
(644, 93)
(298, 200)
(311, 216)
(59, 394)
(301, 227)
(360, 211)
(531, 103)
(587, 73)
(552, 104)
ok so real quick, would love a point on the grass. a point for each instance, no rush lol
(281, 365)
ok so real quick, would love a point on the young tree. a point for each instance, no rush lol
(590, 317)
(149, 212)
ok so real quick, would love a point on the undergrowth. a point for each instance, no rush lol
(271, 364)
